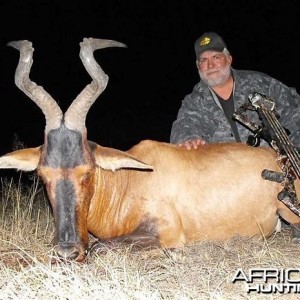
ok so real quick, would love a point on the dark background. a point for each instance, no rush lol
(149, 79)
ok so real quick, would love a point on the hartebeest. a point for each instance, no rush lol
(153, 194)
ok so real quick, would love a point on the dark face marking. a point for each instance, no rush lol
(64, 148)
(65, 169)
(66, 211)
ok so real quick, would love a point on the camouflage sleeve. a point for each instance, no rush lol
(188, 123)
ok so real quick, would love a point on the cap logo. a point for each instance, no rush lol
(204, 41)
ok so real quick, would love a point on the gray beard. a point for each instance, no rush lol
(225, 73)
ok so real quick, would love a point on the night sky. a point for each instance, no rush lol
(148, 80)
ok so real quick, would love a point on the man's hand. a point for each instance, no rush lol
(192, 144)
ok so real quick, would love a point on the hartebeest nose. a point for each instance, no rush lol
(74, 252)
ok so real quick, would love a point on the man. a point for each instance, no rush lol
(206, 114)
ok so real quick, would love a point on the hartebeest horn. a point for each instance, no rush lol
(76, 113)
(46, 103)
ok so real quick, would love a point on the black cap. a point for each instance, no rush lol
(209, 41)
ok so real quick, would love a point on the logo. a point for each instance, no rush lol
(269, 280)
(205, 41)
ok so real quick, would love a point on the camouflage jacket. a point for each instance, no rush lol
(201, 115)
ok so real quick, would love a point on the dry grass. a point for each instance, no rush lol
(201, 271)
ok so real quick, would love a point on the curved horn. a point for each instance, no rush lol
(45, 102)
(76, 113)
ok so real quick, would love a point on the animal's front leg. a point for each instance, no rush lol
(137, 240)
(144, 236)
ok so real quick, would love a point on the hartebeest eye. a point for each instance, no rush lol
(83, 174)
(85, 177)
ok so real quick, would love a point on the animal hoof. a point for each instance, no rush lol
(99, 248)
(102, 246)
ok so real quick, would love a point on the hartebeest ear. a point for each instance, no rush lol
(24, 159)
(112, 159)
